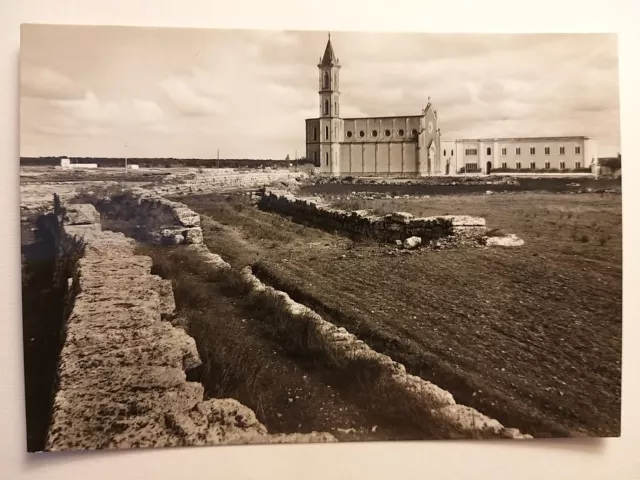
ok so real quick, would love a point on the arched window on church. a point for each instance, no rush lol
(326, 158)
(335, 108)
(326, 133)
(325, 80)
(326, 107)
(315, 133)
(488, 150)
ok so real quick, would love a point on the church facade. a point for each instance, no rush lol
(410, 146)
(375, 146)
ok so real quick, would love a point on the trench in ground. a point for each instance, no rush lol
(42, 321)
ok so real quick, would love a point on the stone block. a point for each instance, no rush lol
(412, 242)
(80, 214)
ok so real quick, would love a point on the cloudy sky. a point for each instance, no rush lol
(144, 92)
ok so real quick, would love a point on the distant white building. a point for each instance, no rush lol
(533, 154)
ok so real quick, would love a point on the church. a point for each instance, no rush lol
(398, 146)
(411, 145)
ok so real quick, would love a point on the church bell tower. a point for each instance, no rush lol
(330, 124)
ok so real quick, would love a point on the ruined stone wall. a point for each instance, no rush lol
(121, 378)
(363, 224)
(152, 217)
(206, 181)
(346, 351)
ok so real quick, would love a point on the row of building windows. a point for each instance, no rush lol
(532, 151)
(547, 165)
(387, 133)
(473, 167)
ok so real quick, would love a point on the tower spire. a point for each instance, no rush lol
(329, 57)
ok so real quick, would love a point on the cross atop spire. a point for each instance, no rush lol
(329, 57)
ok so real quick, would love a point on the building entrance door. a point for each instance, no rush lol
(488, 168)
(432, 158)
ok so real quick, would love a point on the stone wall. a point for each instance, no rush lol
(205, 181)
(152, 218)
(39, 196)
(121, 378)
(363, 224)
(346, 351)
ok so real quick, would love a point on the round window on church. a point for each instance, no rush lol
(414, 132)
(401, 132)
(361, 133)
(374, 133)
(349, 134)
(387, 133)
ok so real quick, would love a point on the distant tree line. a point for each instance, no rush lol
(165, 162)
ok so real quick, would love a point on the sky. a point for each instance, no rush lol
(185, 93)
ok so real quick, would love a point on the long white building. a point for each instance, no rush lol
(535, 154)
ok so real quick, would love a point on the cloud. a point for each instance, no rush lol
(89, 109)
(186, 100)
(146, 111)
(188, 92)
(89, 116)
(38, 82)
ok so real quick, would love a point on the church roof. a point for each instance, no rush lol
(329, 58)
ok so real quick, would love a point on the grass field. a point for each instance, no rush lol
(530, 336)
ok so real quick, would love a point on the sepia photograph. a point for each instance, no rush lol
(265, 237)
